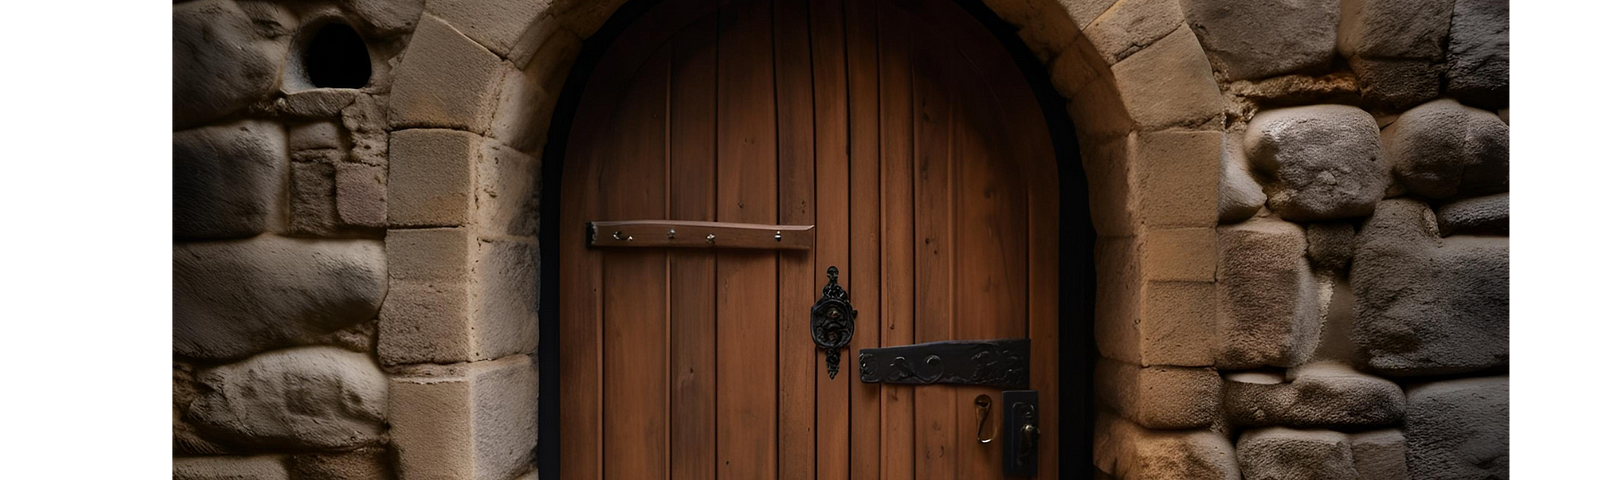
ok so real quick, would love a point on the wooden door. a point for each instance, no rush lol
(906, 134)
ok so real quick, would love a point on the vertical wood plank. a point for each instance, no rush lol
(798, 449)
(634, 286)
(836, 447)
(747, 336)
(901, 436)
(580, 312)
(693, 193)
(936, 300)
(859, 27)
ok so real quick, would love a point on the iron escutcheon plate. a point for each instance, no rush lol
(994, 363)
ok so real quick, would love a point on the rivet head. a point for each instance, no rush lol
(711, 238)
(778, 236)
(672, 233)
(617, 235)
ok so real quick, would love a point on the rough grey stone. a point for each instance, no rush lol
(231, 299)
(1325, 395)
(226, 179)
(1442, 150)
(1480, 52)
(1248, 39)
(387, 17)
(1459, 429)
(186, 437)
(1326, 159)
(1267, 297)
(1239, 196)
(1426, 305)
(1330, 244)
(265, 467)
(1380, 455)
(361, 194)
(311, 199)
(1412, 29)
(310, 397)
(1285, 454)
(222, 59)
(1489, 215)
(1393, 84)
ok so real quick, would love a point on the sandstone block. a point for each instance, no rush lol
(1267, 297)
(429, 254)
(222, 60)
(310, 397)
(506, 199)
(367, 120)
(523, 112)
(1328, 395)
(466, 421)
(1176, 66)
(1426, 305)
(1075, 67)
(1411, 29)
(1176, 174)
(264, 467)
(433, 318)
(1125, 450)
(1330, 245)
(425, 322)
(1239, 196)
(1442, 150)
(430, 177)
(1459, 429)
(1489, 215)
(444, 80)
(316, 103)
(1248, 39)
(495, 24)
(1281, 453)
(1380, 455)
(317, 135)
(1479, 54)
(1147, 322)
(505, 315)
(1159, 397)
(1131, 25)
(387, 17)
(1326, 159)
(226, 179)
(232, 299)
(1179, 254)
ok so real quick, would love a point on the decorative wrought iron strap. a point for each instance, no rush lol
(994, 363)
(833, 320)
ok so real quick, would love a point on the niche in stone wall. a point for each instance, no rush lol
(329, 54)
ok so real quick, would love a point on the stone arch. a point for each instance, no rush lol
(472, 101)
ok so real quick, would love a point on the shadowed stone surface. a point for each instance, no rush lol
(1239, 196)
(1128, 451)
(1412, 29)
(226, 179)
(232, 299)
(1443, 150)
(1326, 395)
(1489, 215)
(1380, 455)
(1159, 397)
(1480, 52)
(312, 397)
(1285, 454)
(1426, 305)
(1330, 245)
(1248, 39)
(364, 463)
(1267, 298)
(1326, 159)
(1459, 429)
(222, 59)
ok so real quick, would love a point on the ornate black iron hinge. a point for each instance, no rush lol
(995, 363)
(833, 320)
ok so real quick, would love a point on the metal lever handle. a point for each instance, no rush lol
(983, 404)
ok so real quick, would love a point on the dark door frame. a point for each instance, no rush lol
(1076, 348)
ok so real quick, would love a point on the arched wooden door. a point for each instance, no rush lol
(905, 133)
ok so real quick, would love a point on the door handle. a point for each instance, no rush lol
(833, 320)
(1021, 448)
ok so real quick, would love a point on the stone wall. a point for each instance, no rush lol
(1301, 205)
